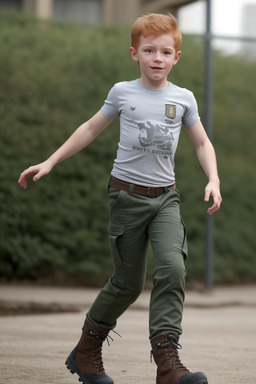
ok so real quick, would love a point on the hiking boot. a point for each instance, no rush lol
(86, 358)
(170, 369)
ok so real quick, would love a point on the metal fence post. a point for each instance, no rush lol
(209, 246)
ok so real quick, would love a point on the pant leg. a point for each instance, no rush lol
(129, 216)
(168, 239)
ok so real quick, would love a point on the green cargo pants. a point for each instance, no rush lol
(134, 221)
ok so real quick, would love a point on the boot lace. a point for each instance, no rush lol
(171, 346)
(100, 337)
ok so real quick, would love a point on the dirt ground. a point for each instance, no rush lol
(219, 336)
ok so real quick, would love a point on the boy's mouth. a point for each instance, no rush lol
(157, 68)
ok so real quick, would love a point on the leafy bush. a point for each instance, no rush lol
(53, 77)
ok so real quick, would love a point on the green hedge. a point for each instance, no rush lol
(53, 77)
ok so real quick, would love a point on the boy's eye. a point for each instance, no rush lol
(148, 50)
(167, 53)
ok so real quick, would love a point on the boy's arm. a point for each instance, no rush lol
(83, 136)
(206, 156)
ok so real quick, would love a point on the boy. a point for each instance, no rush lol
(143, 201)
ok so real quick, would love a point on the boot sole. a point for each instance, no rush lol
(194, 378)
(91, 377)
(189, 379)
(198, 382)
(72, 369)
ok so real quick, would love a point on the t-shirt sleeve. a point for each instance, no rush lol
(110, 107)
(191, 115)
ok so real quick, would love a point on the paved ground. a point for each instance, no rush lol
(219, 336)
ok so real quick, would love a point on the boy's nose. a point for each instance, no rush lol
(157, 57)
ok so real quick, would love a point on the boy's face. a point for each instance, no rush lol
(156, 55)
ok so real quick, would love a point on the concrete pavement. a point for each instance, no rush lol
(79, 298)
(219, 335)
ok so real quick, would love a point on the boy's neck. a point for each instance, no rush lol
(156, 85)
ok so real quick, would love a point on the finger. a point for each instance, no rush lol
(207, 196)
(212, 209)
(24, 176)
(23, 181)
(39, 174)
(216, 206)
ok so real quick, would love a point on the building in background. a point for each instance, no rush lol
(249, 30)
(95, 11)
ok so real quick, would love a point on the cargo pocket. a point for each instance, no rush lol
(115, 231)
(185, 242)
(181, 240)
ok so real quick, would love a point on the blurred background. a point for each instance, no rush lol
(58, 60)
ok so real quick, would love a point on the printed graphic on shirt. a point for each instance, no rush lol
(155, 138)
(156, 135)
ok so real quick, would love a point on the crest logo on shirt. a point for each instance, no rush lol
(170, 111)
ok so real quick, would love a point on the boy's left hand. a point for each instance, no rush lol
(212, 189)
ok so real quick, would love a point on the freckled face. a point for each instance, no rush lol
(156, 56)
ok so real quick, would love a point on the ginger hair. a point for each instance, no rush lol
(156, 24)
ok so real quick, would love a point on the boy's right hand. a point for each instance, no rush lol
(37, 171)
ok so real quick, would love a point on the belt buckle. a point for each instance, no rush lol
(151, 192)
(148, 191)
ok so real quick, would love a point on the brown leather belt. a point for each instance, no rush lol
(140, 190)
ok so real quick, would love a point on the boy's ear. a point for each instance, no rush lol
(134, 54)
(177, 57)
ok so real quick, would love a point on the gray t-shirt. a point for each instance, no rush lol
(150, 124)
